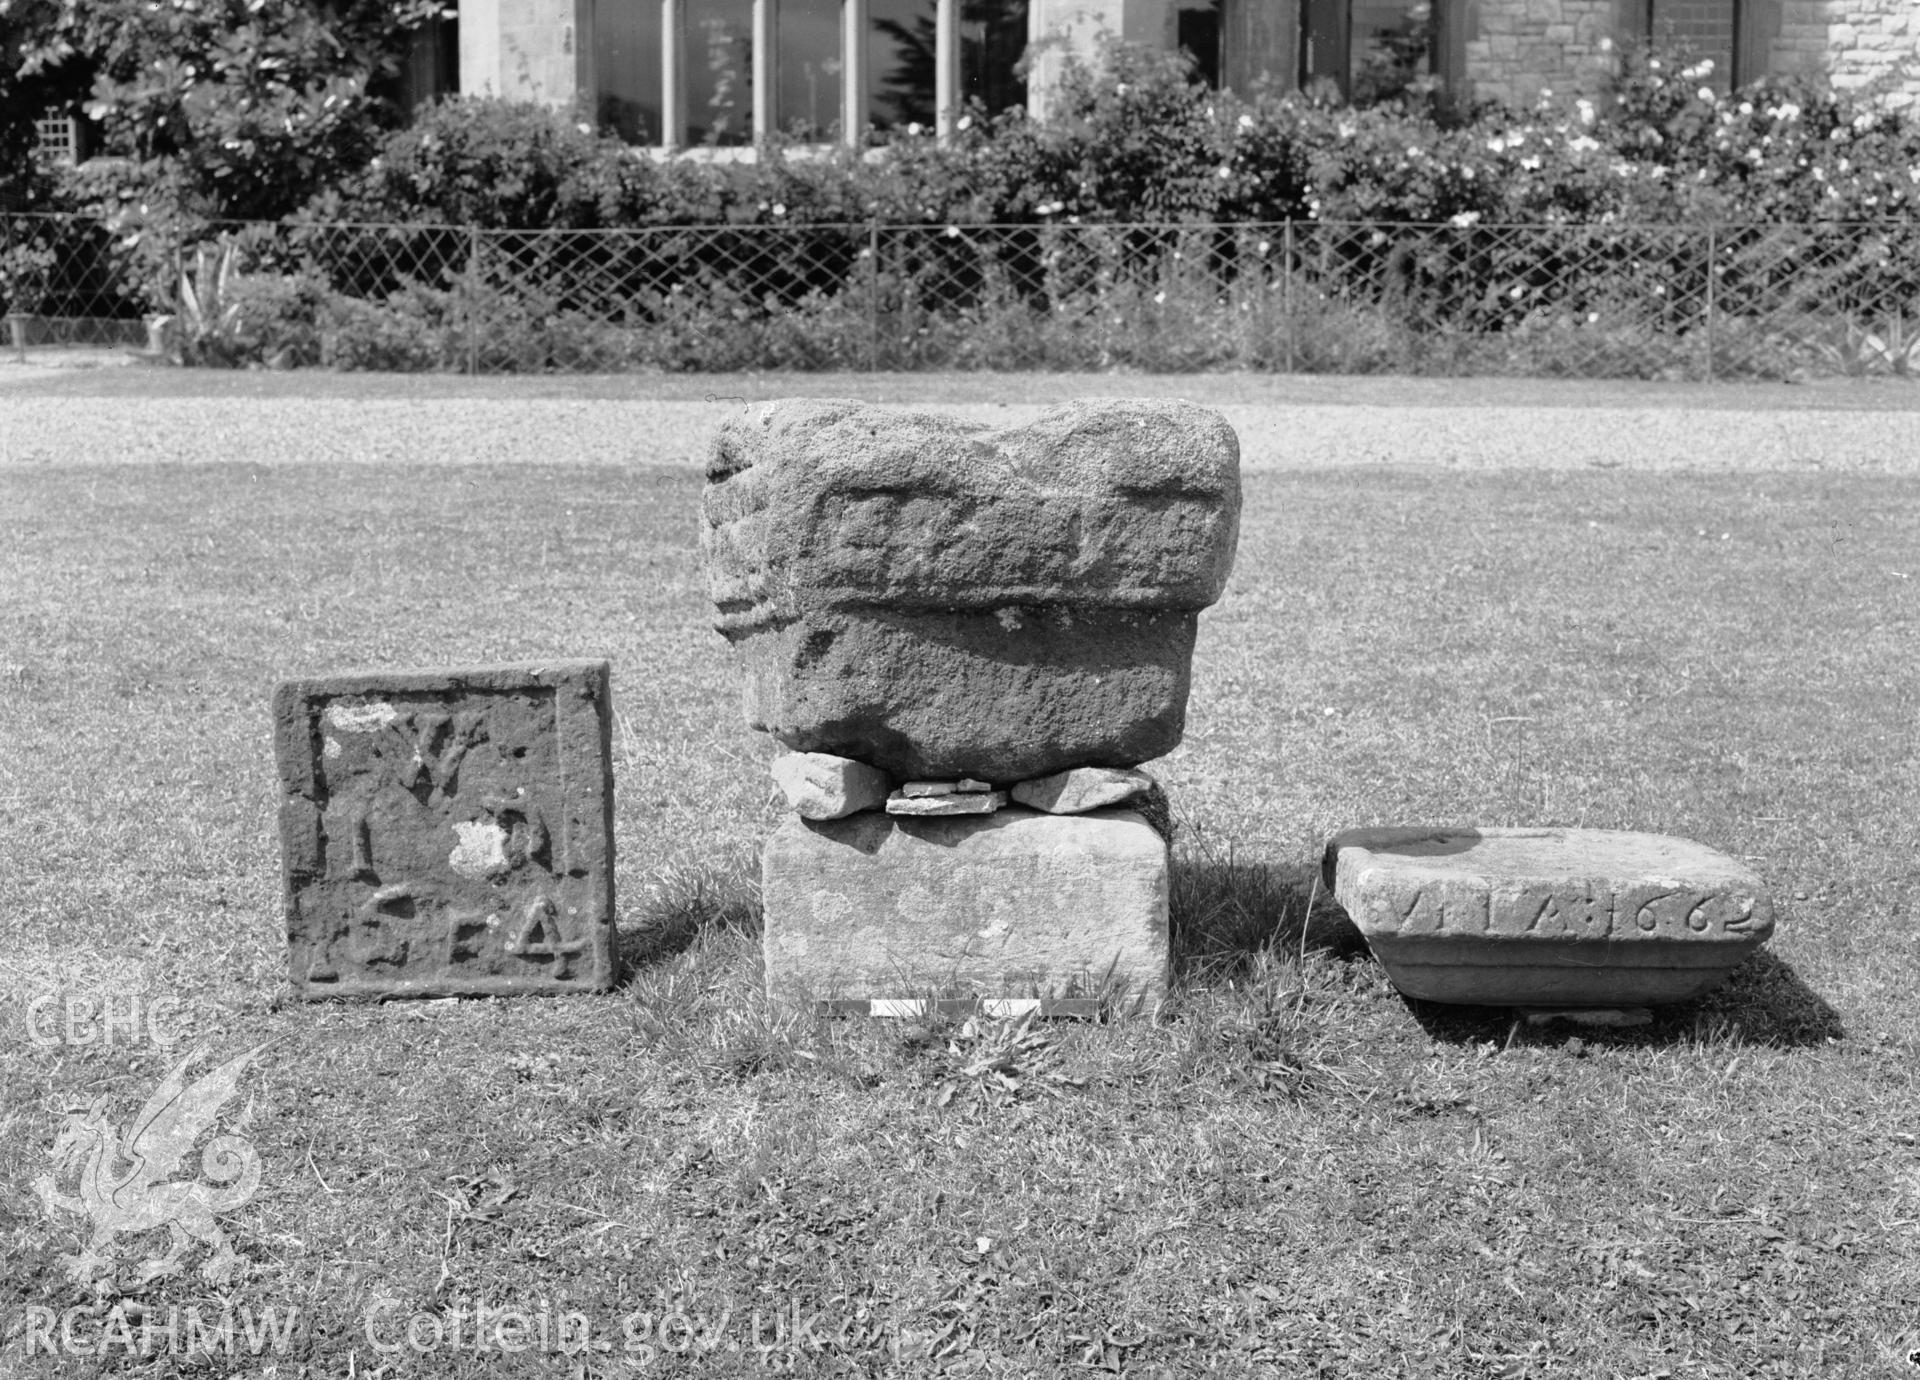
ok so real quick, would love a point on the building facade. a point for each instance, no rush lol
(676, 73)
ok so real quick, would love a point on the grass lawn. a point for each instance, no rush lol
(1296, 1173)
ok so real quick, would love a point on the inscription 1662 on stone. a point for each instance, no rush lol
(1550, 917)
(448, 832)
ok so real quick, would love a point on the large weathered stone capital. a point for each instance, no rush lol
(816, 504)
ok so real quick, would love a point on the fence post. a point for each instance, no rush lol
(473, 299)
(1713, 265)
(873, 293)
(16, 328)
(1286, 288)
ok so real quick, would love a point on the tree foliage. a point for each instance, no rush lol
(253, 104)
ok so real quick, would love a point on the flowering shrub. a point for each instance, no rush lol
(1133, 221)
(1143, 140)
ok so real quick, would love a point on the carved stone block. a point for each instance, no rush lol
(1548, 917)
(941, 599)
(1010, 904)
(448, 832)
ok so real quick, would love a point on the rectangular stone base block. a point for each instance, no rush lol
(1017, 903)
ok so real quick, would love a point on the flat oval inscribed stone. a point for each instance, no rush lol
(1548, 917)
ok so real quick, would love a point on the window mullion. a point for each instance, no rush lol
(673, 74)
(854, 18)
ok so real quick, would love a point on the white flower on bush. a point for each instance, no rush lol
(1246, 122)
(1582, 144)
(584, 127)
(1465, 218)
(1223, 171)
(914, 129)
(966, 122)
(1531, 162)
(1706, 94)
(1787, 113)
(1702, 68)
(779, 208)
(1586, 110)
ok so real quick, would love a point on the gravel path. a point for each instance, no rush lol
(1471, 428)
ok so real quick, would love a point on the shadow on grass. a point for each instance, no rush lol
(686, 902)
(1225, 913)
(1762, 1002)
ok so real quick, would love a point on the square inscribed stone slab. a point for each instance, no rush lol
(448, 832)
(1016, 903)
(1548, 917)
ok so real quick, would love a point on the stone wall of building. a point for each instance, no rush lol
(1516, 49)
(530, 50)
(1062, 29)
(1857, 43)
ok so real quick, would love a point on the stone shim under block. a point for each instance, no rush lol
(942, 599)
(448, 832)
(1016, 903)
(1548, 917)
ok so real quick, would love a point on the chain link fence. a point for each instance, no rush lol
(1572, 300)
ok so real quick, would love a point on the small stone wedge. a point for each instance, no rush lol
(1080, 789)
(819, 785)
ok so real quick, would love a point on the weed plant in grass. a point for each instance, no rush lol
(1294, 1172)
